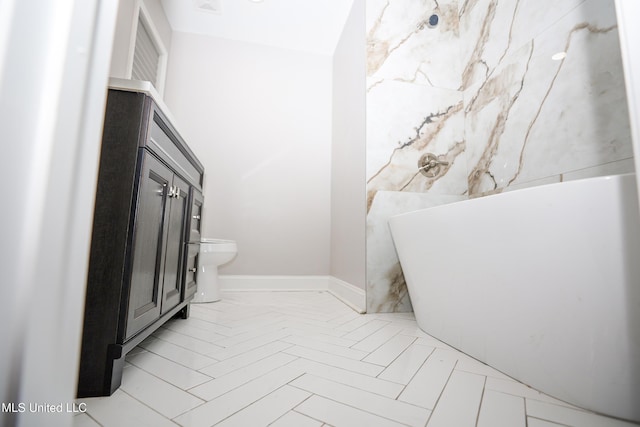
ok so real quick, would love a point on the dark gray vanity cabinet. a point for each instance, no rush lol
(142, 266)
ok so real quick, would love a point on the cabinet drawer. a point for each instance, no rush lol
(195, 219)
(190, 280)
(164, 145)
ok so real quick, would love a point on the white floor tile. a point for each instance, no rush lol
(460, 401)
(161, 396)
(219, 386)
(304, 328)
(379, 405)
(264, 317)
(171, 372)
(221, 306)
(305, 359)
(196, 329)
(433, 342)
(571, 417)
(469, 364)
(122, 410)
(319, 337)
(249, 334)
(190, 343)
(501, 410)
(337, 361)
(395, 318)
(268, 409)
(244, 347)
(296, 419)
(339, 415)
(516, 388)
(387, 352)
(343, 318)
(229, 365)
(199, 333)
(374, 334)
(308, 313)
(426, 386)
(83, 420)
(535, 422)
(415, 331)
(217, 410)
(403, 368)
(361, 381)
(217, 320)
(178, 354)
(369, 327)
(354, 324)
(135, 351)
(326, 347)
(195, 323)
(310, 324)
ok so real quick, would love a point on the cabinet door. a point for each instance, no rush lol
(148, 244)
(193, 248)
(173, 265)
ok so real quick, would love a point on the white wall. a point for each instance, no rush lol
(348, 195)
(259, 119)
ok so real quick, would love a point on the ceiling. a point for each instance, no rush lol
(306, 25)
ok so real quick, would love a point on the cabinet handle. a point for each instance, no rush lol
(175, 192)
(196, 217)
(161, 192)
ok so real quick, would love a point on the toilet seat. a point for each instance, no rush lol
(217, 245)
(215, 241)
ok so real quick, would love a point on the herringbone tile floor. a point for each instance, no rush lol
(305, 359)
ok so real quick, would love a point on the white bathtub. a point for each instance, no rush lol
(542, 284)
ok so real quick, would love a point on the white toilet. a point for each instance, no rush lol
(213, 252)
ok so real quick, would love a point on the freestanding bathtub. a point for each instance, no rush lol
(542, 284)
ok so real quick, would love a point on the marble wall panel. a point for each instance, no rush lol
(403, 122)
(386, 288)
(492, 28)
(402, 46)
(532, 117)
(414, 106)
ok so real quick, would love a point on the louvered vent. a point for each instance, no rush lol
(145, 56)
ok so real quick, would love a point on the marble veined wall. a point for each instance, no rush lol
(481, 91)
(530, 119)
(414, 105)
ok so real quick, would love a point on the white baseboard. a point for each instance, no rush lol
(351, 295)
(273, 283)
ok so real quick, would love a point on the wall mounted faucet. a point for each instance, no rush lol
(429, 165)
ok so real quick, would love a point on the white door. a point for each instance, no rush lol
(54, 62)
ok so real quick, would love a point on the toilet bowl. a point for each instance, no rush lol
(213, 252)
